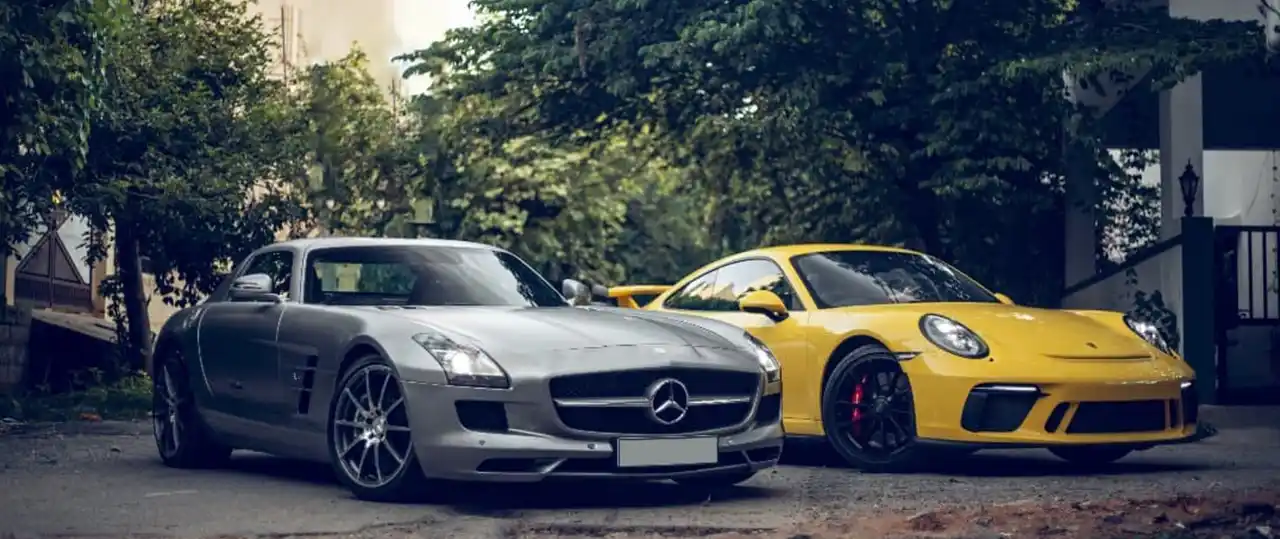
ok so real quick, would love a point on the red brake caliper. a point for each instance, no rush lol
(857, 411)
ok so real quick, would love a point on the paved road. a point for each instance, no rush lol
(105, 480)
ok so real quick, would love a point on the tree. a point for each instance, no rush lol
(360, 172)
(51, 56)
(606, 210)
(936, 124)
(183, 158)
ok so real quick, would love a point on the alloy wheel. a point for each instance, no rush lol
(371, 429)
(876, 414)
(166, 413)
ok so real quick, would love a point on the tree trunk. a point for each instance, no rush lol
(138, 321)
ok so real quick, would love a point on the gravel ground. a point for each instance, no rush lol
(104, 480)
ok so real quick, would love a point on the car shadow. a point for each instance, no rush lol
(992, 463)
(497, 499)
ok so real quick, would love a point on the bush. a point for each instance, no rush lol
(127, 398)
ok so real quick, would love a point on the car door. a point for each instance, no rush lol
(238, 347)
(716, 294)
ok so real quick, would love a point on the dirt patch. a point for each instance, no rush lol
(1241, 515)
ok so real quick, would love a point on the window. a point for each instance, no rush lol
(853, 278)
(695, 296)
(741, 278)
(424, 275)
(275, 264)
(721, 289)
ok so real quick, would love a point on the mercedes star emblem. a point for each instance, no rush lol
(668, 401)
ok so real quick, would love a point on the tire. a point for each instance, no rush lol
(881, 435)
(716, 481)
(182, 437)
(1090, 455)
(371, 432)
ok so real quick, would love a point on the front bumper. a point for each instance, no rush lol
(1086, 404)
(473, 434)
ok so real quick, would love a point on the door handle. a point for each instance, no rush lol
(235, 384)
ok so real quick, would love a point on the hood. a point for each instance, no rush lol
(1053, 333)
(519, 330)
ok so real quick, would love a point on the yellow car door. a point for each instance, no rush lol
(715, 294)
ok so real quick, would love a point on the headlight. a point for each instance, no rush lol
(768, 363)
(1149, 332)
(953, 337)
(463, 364)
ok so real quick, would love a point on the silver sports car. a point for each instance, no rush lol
(403, 361)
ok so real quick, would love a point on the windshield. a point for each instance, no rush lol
(853, 278)
(424, 275)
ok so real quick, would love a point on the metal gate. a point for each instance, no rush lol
(1247, 321)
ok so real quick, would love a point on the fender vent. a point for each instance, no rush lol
(304, 380)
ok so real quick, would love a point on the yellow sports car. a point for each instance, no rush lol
(894, 355)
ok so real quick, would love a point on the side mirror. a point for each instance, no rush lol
(576, 292)
(764, 302)
(1004, 299)
(254, 287)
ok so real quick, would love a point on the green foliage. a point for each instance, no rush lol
(605, 210)
(126, 398)
(184, 154)
(933, 124)
(359, 172)
(51, 54)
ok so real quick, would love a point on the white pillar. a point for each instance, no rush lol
(1181, 142)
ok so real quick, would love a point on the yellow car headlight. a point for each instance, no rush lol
(1149, 332)
(953, 337)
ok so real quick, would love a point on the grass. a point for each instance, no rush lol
(124, 399)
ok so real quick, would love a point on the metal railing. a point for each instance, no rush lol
(1249, 275)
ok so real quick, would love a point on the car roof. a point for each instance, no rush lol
(786, 251)
(342, 241)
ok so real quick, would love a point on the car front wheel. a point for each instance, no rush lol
(370, 444)
(868, 412)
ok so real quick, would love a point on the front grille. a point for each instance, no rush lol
(1118, 417)
(989, 410)
(634, 383)
(769, 410)
(637, 420)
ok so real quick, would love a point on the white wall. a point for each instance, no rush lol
(1238, 186)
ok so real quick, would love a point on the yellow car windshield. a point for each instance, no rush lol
(857, 278)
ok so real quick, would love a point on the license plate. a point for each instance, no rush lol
(637, 452)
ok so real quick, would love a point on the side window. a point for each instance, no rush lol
(737, 279)
(278, 265)
(698, 295)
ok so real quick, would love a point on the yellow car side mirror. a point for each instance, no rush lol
(764, 302)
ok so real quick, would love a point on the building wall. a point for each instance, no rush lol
(325, 30)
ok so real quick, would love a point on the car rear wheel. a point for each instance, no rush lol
(868, 412)
(182, 438)
(370, 444)
(714, 481)
(1090, 455)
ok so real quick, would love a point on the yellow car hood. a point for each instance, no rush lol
(1062, 334)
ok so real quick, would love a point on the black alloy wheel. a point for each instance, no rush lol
(868, 412)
